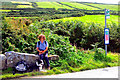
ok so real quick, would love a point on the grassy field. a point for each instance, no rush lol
(79, 6)
(24, 6)
(7, 5)
(57, 5)
(21, 17)
(18, 2)
(103, 6)
(91, 18)
(51, 5)
(5, 10)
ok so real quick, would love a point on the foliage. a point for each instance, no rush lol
(84, 31)
(89, 63)
(23, 38)
(100, 54)
(65, 37)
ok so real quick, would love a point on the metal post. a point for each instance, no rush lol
(105, 27)
(105, 18)
(106, 50)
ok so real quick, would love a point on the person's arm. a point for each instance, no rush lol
(45, 50)
(40, 52)
(38, 48)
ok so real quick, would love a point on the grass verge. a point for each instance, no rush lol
(88, 63)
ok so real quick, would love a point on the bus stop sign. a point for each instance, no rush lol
(106, 36)
(107, 13)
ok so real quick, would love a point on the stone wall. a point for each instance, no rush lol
(14, 57)
(3, 61)
(10, 59)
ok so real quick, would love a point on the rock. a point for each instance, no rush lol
(3, 62)
(14, 57)
(53, 57)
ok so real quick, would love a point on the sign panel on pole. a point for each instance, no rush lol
(106, 35)
(107, 13)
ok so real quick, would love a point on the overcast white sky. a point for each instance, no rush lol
(100, 1)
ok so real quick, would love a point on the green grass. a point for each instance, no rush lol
(88, 64)
(20, 17)
(57, 5)
(5, 10)
(103, 6)
(51, 5)
(90, 18)
(23, 2)
(7, 5)
(79, 6)
(24, 6)
(119, 60)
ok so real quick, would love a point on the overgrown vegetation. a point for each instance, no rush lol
(84, 31)
(79, 41)
(21, 36)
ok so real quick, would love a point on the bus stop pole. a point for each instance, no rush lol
(105, 27)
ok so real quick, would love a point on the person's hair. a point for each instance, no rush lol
(40, 36)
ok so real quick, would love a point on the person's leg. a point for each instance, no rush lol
(47, 61)
(42, 58)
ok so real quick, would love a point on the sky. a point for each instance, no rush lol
(100, 1)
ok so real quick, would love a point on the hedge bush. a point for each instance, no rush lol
(83, 34)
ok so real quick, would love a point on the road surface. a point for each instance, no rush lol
(109, 72)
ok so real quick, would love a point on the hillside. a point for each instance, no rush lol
(30, 9)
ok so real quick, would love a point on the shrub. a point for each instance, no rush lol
(100, 54)
(83, 34)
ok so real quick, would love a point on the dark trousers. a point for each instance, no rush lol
(44, 57)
